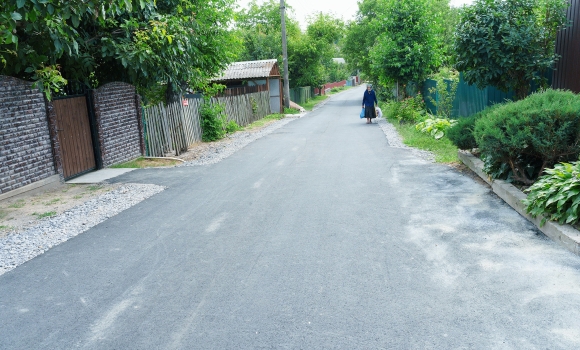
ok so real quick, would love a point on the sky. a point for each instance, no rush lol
(341, 8)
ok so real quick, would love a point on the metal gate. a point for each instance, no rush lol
(74, 136)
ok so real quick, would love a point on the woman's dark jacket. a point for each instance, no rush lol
(369, 99)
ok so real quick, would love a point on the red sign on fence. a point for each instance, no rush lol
(185, 102)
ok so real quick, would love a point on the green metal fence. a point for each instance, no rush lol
(301, 95)
(469, 99)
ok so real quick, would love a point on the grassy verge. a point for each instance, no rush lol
(291, 111)
(142, 162)
(266, 120)
(443, 149)
(314, 101)
(336, 90)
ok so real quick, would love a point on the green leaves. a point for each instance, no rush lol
(435, 127)
(508, 44)
(395, 40)
(536, 132)
(556, 195)
(114, 40)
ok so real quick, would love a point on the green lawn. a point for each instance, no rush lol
(142, 162)
(261, 122)
(314, 101)
(443, 149)
(336, 90)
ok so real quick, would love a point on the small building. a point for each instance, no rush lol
(256, 73)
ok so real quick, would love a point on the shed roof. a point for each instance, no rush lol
(250, 69)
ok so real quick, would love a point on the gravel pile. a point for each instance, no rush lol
(20, 246)
(395, 140)
(234, 142)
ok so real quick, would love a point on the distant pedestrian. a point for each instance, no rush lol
(369, 102)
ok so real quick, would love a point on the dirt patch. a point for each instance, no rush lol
(26, 210)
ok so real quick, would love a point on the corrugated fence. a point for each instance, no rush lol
(470, 99)
(170, 130)
(301, 95)
(567, 72)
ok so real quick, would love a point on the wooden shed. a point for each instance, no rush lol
(254, 73)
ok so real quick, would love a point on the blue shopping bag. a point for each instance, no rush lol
(362, 113)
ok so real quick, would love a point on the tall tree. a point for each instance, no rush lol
(406, 50)
(259, 28)
(508, 44)
(361, 35)
(311, 56)
(394, 40)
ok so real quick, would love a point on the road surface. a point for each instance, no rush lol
(317, 236)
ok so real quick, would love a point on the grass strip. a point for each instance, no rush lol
(266, 120)
(443, 149)
(142, 162)
(313, 102)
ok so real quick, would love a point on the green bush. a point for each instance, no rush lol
(213, 122)
(232, 126)
(435, 127)
(461, 134)
(409, 110)
(556, 194)
(532, 134)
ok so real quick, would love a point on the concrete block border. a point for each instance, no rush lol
(565, 235)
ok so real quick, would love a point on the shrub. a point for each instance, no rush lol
(531, 134)
(461, 134)
(443, 94)
(435, 127)
(232, 126)
(556, 194)
(213, 121)
(409, 110)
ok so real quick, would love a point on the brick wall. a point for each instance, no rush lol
(118, 123)
(25, 146)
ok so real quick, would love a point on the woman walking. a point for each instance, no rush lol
(368, 103)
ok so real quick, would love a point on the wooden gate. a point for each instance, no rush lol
(74, 136)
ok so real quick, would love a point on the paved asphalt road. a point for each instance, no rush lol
(317, 236)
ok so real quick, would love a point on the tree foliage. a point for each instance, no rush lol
(508, 44)
(145, 42)
(259, 27)
(310, 53)
(360, 37)
(310, 57)
(406, 48)
(396, 40)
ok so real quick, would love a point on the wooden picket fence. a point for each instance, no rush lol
(171, 130)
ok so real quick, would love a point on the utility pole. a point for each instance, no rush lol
(285, 57)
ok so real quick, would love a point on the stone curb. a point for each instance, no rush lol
(565, 235)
